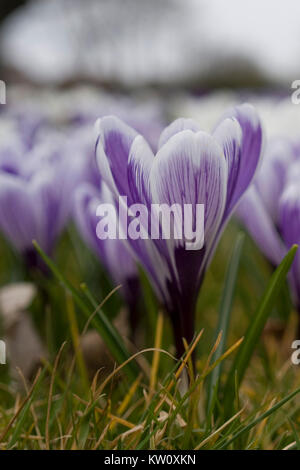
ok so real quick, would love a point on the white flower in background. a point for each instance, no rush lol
(279, 116)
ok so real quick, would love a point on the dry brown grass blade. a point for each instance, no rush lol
(50, 395)
(115, 289)
(217, 431)
(190, 362)
(121, 421)
(101, 437)
(32, 410)
(290, 446)
(221, 358)
(76, 340)
(136, 429)
(85, 329)
(262, 424)
(120, 367)
(20, 408)
(127, 399)
(179, 370)
(157, 345)
(212, 352)
(129, 395)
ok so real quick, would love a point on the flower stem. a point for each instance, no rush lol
(183, 327)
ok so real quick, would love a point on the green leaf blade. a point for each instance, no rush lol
(256, 326)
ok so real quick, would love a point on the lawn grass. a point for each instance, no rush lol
(241, 392)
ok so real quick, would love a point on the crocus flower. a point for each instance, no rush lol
(190, 167)
(114, 254)
(270, 210)
(36, 185)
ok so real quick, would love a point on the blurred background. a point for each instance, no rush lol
(159, 43)
(160, 58)
(65, 63)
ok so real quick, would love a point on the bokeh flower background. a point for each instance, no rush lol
(162, 102)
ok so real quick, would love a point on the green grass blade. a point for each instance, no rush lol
(260, 418)
(101, 323)
(297, 439)
(21, 421)
(224, 315)
(256, 327)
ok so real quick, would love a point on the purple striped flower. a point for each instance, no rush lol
(270, 210)
(190, 167)
(113, 254)
(36, 186)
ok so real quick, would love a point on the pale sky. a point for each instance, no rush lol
(151, 41)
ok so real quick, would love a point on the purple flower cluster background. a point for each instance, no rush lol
(149, 226)
(59, 162)
(57, 167)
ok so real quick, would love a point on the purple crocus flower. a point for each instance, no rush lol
(114, 254)
(270, 210)
(190, 167)
(36, 185)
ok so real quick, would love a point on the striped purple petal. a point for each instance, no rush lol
(114, 139)
(290, 228)
(17, 212)
(255, 217)
(242, 152)
(180, 124)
